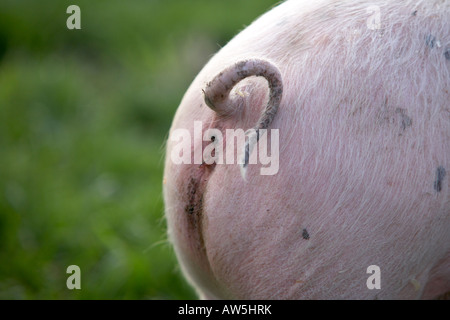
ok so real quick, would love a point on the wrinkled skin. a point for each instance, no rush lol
(364, 124)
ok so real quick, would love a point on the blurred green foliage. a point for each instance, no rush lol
(83, 119)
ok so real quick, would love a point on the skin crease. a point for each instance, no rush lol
(364, 125)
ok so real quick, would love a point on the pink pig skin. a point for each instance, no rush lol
(364, 125)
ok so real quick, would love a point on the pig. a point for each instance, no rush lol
(359, 207)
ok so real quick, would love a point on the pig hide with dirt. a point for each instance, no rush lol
(359, 94)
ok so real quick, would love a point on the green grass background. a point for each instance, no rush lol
(83, 119)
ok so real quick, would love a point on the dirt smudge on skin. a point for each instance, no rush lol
(194, 212)
(430, 41)
(305, 234)
(404, 120)
(397, 117)
(440, 175)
